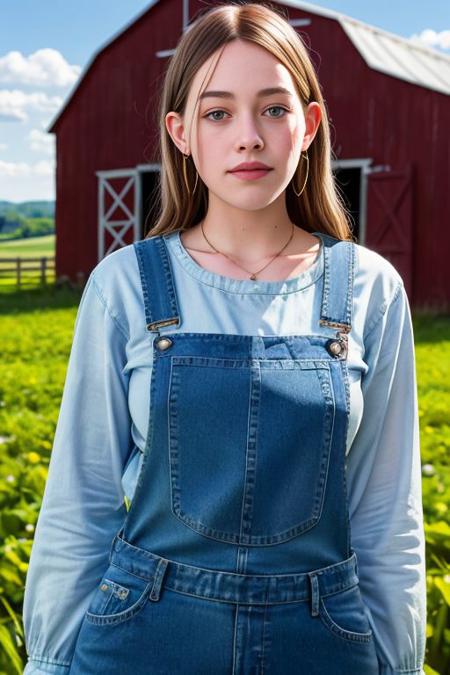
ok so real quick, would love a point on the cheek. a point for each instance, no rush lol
(289, 140)
(298, 132)
(213, 142)
(210, 158)
(210, 150)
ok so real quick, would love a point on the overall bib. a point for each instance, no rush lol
(235, 557)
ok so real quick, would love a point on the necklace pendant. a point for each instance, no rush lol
(253, 277)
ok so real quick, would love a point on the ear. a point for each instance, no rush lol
(175, 128)
(313, 116)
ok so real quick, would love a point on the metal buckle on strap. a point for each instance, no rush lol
(163, 322)
(343, 327)
(338, 346)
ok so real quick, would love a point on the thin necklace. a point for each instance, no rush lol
(252, 274)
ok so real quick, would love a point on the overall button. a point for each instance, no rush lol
(163, 343)
(335, 347)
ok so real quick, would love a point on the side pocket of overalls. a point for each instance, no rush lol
(344, 614)
(119, 596)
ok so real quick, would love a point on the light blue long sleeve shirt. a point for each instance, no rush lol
(102, 428)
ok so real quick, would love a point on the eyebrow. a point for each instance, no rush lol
(260, 94)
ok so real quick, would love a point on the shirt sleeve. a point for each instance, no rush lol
(83, 501)
(385, 493)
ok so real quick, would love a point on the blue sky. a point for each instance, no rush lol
(44, 46)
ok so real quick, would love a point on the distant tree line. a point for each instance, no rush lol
(26, 219)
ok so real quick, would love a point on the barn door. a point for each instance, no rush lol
(118, 209)
(389, 229)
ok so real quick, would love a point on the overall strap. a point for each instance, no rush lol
(337, 296)
(158, 288)
(160, 298)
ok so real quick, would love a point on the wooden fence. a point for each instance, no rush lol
(27, 271)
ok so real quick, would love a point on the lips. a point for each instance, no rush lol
(251, 166)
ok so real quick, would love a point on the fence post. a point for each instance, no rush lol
(14, 270)
(43, 264)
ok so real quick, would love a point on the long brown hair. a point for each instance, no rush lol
(320, 206)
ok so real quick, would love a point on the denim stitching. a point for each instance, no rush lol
(174, 461)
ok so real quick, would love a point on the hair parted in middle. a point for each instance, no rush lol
(320, 206)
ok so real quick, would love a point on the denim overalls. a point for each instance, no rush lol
(235, 557)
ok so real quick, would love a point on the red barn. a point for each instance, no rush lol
(387, 99)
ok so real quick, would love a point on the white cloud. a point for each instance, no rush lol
(3, 146)
(15, 169)
(21, 181)
(41, 142)
(27, 187)
(432, 38)
(45, 67)
(44, 168)
(14, 104)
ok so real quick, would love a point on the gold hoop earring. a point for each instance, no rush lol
(306, 178)
(185, 175)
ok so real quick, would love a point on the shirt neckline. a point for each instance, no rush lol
(230, 285)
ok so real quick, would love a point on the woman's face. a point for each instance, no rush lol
(244, 126)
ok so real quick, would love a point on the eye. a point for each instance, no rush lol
(272, 107)
(213, 112)
(278, 107)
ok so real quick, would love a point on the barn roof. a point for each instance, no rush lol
(389, 53)
(381, 50)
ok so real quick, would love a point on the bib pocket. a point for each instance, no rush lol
(249, 445)
(344, 614)
(119, 596)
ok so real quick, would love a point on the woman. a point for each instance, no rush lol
(245, 376)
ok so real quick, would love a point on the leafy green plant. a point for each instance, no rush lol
(37, 330)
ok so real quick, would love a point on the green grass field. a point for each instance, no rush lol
(28, 248)
(37, 331)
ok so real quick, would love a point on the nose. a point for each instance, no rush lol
(248, 134)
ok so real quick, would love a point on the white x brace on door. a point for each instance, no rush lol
(119, 196)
